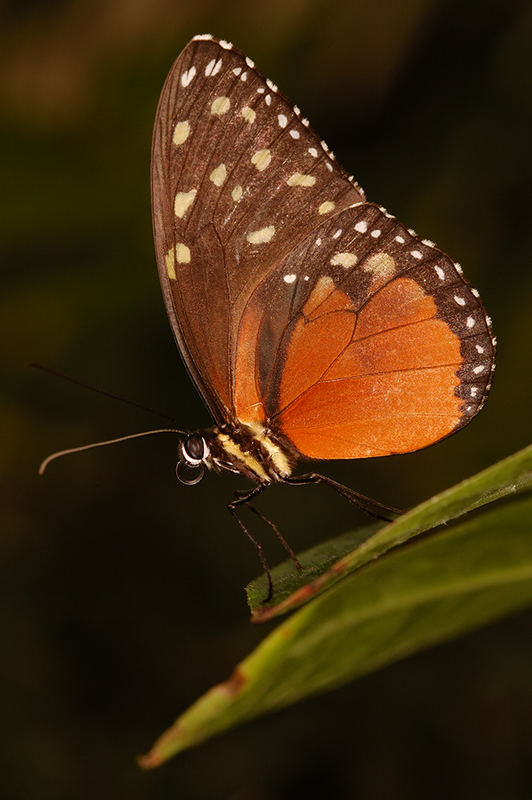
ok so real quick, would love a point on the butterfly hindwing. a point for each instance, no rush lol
(238, 181)
(364, 341)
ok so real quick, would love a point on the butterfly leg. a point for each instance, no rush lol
(242, 499)
(371, 507)
(278, 533)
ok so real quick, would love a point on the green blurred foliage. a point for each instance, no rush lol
(123, 591)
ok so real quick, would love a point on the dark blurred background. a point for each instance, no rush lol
(123, 590)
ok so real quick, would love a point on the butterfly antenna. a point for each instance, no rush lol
(99, 391)
(60, 453)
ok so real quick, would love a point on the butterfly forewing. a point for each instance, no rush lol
(238, 181)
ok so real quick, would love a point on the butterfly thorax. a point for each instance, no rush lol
(251, 451)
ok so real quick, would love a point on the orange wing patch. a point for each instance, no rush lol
(317, 339)
(390, 389)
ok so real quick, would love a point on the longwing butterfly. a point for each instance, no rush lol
(313, 323)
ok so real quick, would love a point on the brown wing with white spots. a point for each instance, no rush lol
(364, 341)
(238, 181)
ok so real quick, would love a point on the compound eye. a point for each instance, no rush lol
(194, 447)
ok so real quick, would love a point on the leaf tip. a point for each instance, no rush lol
(150, 760)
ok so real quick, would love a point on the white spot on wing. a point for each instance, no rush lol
(283, 120)
(262, 236)
(440, 273)
(346, 260)
(218, 175)
(361, 226)
(313, 152)
(459, 300)
(261, 159)
(188, 76)
(470, 322)
(290, 278)
(213, 67)
(297, 179)
(416, 254)
(169, 261)
(181, 132)
(182, 202)
(294, 134)
(220, 106)
(182, 253)
(248, 114)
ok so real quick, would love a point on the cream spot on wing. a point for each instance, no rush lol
(169, 260)
(344, 260)
(250, 63)
(220, 105)
(182, 202)
(313, 152)
(297, 179)
(182, 253)
(400, 239)
(213, 67)
(381, 265)
(225, 45)
(218, 175)
(236, 194)
(263, 236)
(362, 226)
(326, 207)
(188, 76)
(181, 132)
(294, 134)
(237, 71)
(439, 272)
(268, 99)
(261, 159)
(290, 278)
(416, 254)
(282, 120)
(248, 114)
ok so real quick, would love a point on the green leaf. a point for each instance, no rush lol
(331, 561)
(429, 592)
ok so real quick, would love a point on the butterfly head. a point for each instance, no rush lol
(194, 456)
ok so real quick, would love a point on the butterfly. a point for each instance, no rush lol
(313, 323)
